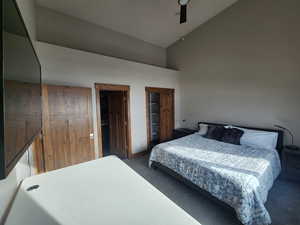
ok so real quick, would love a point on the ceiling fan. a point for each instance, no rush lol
(183, 10)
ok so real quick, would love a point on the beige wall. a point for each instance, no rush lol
(243, 66)
(74, 33)
(65, 66)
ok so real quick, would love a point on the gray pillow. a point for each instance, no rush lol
(203, 128)
(232, 136)
(215, 132)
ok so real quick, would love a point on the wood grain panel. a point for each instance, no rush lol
(38, 154)
(22, 117)
(67, 125)
(112, 87)
(166, 116)
(117, 124)
(167, 111)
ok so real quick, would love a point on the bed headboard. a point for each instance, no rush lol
(279, 146)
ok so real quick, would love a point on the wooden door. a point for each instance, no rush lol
(117, 123)
(166, 115)
(67, 126)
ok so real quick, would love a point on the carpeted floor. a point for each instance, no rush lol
(283, 202)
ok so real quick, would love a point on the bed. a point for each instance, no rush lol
(238, 177)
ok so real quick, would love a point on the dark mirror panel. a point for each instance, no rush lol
(22, 86)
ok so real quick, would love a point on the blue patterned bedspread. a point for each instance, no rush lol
(240, 176)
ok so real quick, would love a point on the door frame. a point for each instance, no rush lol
(157, 90)
(113, 87)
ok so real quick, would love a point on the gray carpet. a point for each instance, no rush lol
(283, 202)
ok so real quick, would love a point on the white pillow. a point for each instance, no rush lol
(203, 128)
(259, 139)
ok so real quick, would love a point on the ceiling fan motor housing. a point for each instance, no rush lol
(183, 2)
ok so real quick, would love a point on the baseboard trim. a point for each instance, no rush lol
(139, 154)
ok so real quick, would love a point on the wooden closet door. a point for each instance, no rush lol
(166, 115)
(67, 126)
(117, 124)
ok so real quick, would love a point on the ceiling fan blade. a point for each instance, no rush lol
(183, 10)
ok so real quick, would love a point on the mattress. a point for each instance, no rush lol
(240, 176)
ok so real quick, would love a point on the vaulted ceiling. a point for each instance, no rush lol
(153, 21)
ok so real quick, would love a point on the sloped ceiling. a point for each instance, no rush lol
(153, 21)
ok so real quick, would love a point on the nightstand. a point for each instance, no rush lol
(182, 132)
(291, 164)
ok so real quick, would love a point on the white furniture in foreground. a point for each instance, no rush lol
(100, 192)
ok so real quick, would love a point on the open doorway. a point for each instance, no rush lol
(113, 120)
(160, 115)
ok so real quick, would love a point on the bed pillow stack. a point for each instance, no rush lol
(220, 133)
(258, 139)
(240, 136)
